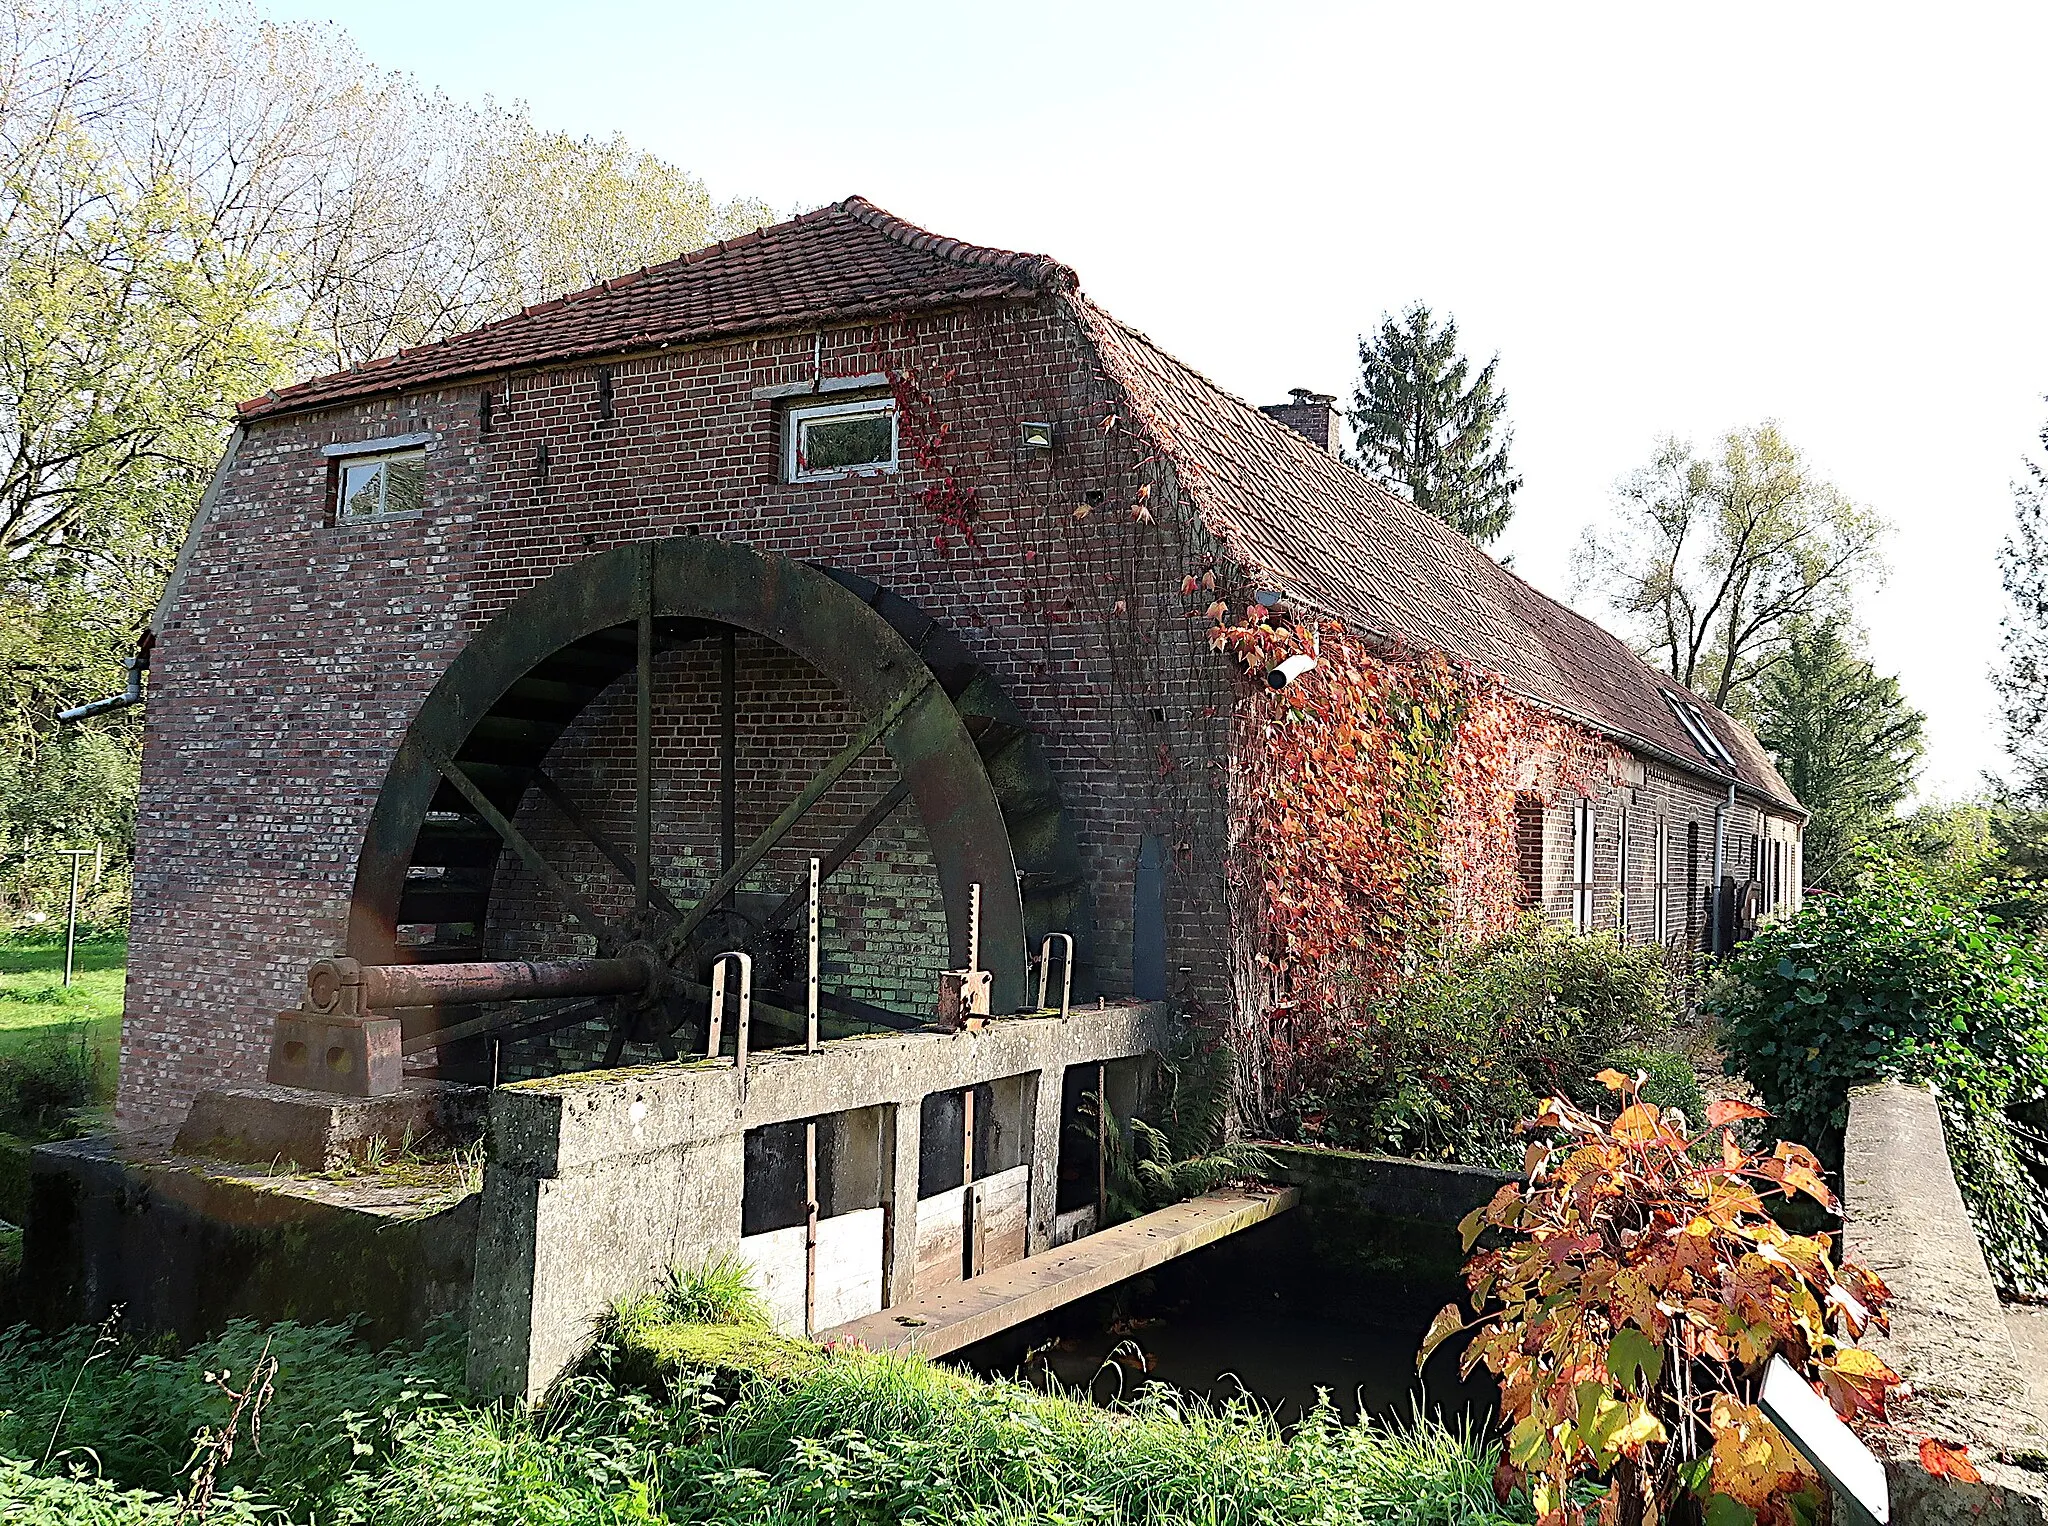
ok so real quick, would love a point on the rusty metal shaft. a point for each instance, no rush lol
(382, 987)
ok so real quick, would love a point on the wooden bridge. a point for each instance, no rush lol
(964, 1312)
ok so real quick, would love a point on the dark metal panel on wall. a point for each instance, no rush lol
(1148, 920)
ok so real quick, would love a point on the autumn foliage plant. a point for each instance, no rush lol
(1638, 1291)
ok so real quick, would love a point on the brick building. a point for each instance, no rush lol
(699, 507)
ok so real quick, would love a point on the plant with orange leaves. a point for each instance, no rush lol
(1631, 1311)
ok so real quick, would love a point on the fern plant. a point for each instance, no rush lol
(1186, 1152)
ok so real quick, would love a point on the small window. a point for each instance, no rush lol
(379, 487)
(839, 439)
(1621, 873)
(1694, 719)
(1663, 881)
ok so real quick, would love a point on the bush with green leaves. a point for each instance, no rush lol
(1898, 977)
(1183, 1150)
(1446, 1066)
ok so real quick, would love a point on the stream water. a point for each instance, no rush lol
(1228, 1321)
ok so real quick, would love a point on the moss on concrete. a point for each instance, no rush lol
(729, 1351)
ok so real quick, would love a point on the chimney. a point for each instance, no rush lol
(1312, 415)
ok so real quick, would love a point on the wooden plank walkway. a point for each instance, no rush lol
(966, 1312)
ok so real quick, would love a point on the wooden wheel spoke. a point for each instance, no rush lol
(529, 855)
(842, 850)
(874, 731)
(616, 856)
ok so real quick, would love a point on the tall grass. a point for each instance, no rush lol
(872, 1438)
(373, 1438)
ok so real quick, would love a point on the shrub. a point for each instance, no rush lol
(1448, 1065)
(1669, 1081)
(1186, 1152)
(49, 1081)
(1896, 979)
(133, 1413)
(1630, 1318)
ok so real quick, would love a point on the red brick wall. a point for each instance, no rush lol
(297, 650)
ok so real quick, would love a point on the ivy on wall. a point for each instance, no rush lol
(1373, 805)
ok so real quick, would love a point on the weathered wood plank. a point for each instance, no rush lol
(941, 1228)
(956, 1316)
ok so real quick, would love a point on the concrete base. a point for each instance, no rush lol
(184, 1246)
(319, 1131)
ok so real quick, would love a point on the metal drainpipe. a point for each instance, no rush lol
(132, 695)
(1721, 813)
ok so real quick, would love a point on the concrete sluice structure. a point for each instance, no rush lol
(599, 1183)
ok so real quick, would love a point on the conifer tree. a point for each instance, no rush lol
(2022, 675)
(1846, 741)
(1420, 417)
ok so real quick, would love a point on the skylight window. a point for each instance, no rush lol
(1694, 719)
(829, 440)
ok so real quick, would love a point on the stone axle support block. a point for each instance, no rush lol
(347, 1056)
(319, 1131)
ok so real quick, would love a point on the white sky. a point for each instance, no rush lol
(1664, 219)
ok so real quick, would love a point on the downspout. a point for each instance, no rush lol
(1721, 867)
(137, 665)
(132, 695)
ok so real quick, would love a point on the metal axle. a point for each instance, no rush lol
(344, 986)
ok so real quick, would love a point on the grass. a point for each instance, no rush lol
(39, 1012)
(738, 1425)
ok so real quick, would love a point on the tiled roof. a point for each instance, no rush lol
(1302, 520)
(1327, 535)
(846, 261)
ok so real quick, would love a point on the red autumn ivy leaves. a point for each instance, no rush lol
(1376, 807)
(1631, 1311)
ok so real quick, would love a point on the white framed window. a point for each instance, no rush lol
(826, 440)
(380, 485)
(1582, 864)
(1663, 906)
(1694, 719)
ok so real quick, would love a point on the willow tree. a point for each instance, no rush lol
(1714, 562)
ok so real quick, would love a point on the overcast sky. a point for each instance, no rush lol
(1666, 220)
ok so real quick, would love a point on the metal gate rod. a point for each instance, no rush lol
(643, 739)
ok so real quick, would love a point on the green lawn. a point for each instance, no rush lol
(36, 1007)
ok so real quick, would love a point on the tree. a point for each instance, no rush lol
(197, 204)
(1417, 419)
(1717, 562)
(2021, 676)
(1846, 741)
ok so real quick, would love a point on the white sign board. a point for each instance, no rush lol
(1810, 1423)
